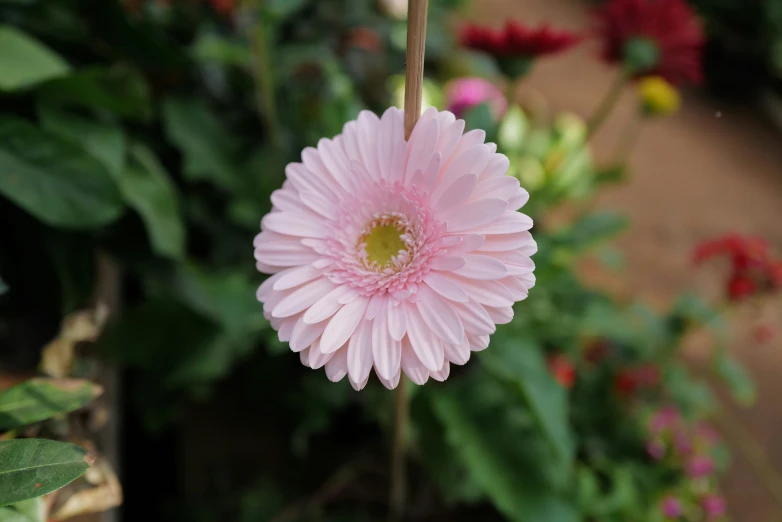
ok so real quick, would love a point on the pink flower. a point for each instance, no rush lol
(714, 506)
(396, 254)
(671, 507)
(656, 449)
(665, 419)
(700, 466)
(465, 93)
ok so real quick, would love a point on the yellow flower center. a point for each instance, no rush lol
(383, 243)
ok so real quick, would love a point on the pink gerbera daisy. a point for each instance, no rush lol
(396, 254)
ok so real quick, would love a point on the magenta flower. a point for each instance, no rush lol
(463, 94)
(671, 507)
(714, 506)
(700, 466)
(393, 254)
(665, 419)
(707, 434)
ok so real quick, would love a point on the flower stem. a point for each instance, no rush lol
(600, 115)
(414, 70)
(263, 73)
(414, 82)
(398, 492)
(628, 140)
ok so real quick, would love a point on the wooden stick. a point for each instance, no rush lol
(414, 69)
(414, 83)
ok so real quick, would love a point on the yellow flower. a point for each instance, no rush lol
(658, 97)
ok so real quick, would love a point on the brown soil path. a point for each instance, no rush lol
(710, 169)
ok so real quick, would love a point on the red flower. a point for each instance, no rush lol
(364, 38)
(740, 287)
(630, 380)
(652, 37)
(516, 40)
(562, 370)
(751, 268)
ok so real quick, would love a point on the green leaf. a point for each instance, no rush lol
(54, 180)
(513, 131)
(735, 376)
(39, 399)
(504, 456)
(211, 47)
(203, 141)
(120, 89)
(282, 9)
(25, 62)
(30, 468)
(148, 189)
(480, 117)
(520, 362)
(33, 510)
(592, 229)
(103, 141)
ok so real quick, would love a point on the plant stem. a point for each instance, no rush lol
(628, 140)
(398, 492)
(263, 73)
(414, 82)
(414, 70)
(599, 117)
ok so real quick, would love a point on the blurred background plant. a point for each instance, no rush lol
(140, 142)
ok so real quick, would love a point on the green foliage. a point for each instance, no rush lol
(160, 149)
(496, 441)
(54, 180)
(39, 399)
(25, 62)
(32, 510)
(30, 468)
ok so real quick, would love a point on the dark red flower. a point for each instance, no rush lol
(516, 40)
(562, 370)
(652, 37)
(630, 380)
(364, 38)
(740, 287)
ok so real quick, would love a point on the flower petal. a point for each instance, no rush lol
(475, 214)
(445, 287)
(439, 316)
(303, 297)
(386, 351)
(482, 267)
(337, 367)
(360, 352)
(426, 345)
(342, 325)
(397, 320)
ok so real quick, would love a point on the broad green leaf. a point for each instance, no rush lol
(226, 298)
(735, 376)
(504, 454)
(520, 361)
(54, 180)
(104, 142)
(282, 9)
(215, 48)
(39, 399)
(25, 62)
(33, 510)
(120, 89)
(148, 189)
(205, 145)
(30, 468)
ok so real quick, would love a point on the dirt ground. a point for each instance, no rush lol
(708, 170)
